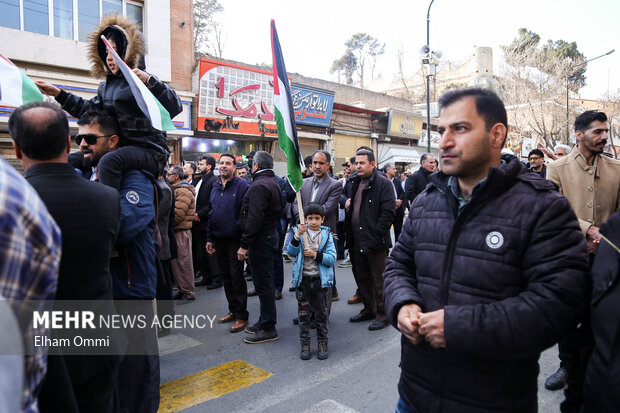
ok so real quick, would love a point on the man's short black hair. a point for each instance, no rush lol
(369, 154)
(230, 155)
(308, 161)
(42, 138)
(386, 167)
(364, 148)
(314, 208)
(328, 156)
(105, 120)
(586, 118)
(210, 161)
(488, 105)
(352, 160)
(536, 152)
(192, 165)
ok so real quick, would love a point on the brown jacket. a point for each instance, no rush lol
(184, 205)
(593, 191)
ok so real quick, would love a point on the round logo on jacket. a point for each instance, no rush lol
(495, 240)
(132, 197)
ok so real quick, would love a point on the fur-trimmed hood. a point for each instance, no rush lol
(132, 50)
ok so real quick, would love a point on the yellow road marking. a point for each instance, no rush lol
(208, 384)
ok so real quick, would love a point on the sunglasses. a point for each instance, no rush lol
(534, 158)
(90, 138)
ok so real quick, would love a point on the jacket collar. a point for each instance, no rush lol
(262, 173)
(50, 168)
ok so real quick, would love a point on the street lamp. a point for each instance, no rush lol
(571, 71)
(428, 83)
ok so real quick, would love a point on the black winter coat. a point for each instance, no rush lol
(416, 183)
(261, 208)
(203, 199)
(603, 374)
(378, 208)
(509, 272)
(115, 96)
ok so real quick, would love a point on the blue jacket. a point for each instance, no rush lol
(326, 258)
(225, 209)
(134, 274)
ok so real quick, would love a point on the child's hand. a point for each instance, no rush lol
(143, 76)
(302, 228)
(308, 252)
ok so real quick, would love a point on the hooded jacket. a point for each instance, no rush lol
(184, 205)
(509, 270)
(326, 258)
(114, 94)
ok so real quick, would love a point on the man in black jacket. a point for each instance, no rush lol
(88, 215)
(207, 271)
(260, 211)
(490, 270)
(417, 181)
(370, 212)
(401, 199)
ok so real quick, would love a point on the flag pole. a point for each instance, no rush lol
(302, 218)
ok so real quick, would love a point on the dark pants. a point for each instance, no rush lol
(164, 289)
(368, 271)
(312, 300)
(112, 165)
(138, 384)
(231, 268)
(340, 240)
(398, 225)
(278, 261)
(260, 255)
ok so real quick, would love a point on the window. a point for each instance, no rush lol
(72, 19)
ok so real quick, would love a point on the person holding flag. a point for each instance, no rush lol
(142, 104)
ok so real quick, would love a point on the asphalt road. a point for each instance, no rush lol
(360, 374)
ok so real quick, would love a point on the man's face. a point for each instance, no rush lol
(172, 177)
(203, 168)
(594, 138)
(363, 167)
(465, 143)
(536, 162)
(559, 152)
(429, 163)
(391, 172)
(227, 168)
(319, 165)
(110, 60)
(92, 153)
(242, 172)
(187, 170)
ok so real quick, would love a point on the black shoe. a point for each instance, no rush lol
(323, 353)
(306, 353)
(214, 285)
(252, 293)
(357, 318)
(200, 281)
(178, 295)
(252, 329)
(292, 288)
(557, 380)
(261, 336)
(377, 325)
(278, 295)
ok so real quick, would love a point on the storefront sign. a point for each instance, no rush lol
(235, 99)
(312, 106)
(405, 125)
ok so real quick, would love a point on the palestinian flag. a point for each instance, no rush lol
(285, 116)
(150, 106)
(16, 88)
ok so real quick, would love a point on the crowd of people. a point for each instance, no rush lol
(490, 262)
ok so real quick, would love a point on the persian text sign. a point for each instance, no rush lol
(235, 99)
(312, 106)
(404, 125)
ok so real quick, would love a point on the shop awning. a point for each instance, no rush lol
(397, 154)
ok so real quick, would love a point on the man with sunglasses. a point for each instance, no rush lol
(537, 162)
(95, 129)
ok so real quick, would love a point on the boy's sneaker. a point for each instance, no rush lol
(261, 336)
(306, 353)
(345, 263)
(323, 353)
(252, 329)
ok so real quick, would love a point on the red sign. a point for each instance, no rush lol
(235, 99)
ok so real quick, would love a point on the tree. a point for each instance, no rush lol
(364, 46)
(345, 65)
(219, 37)
(203, 24)
(534, 84)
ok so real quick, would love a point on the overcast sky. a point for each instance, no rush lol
(312, 34)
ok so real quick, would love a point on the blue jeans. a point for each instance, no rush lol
(402, 407)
